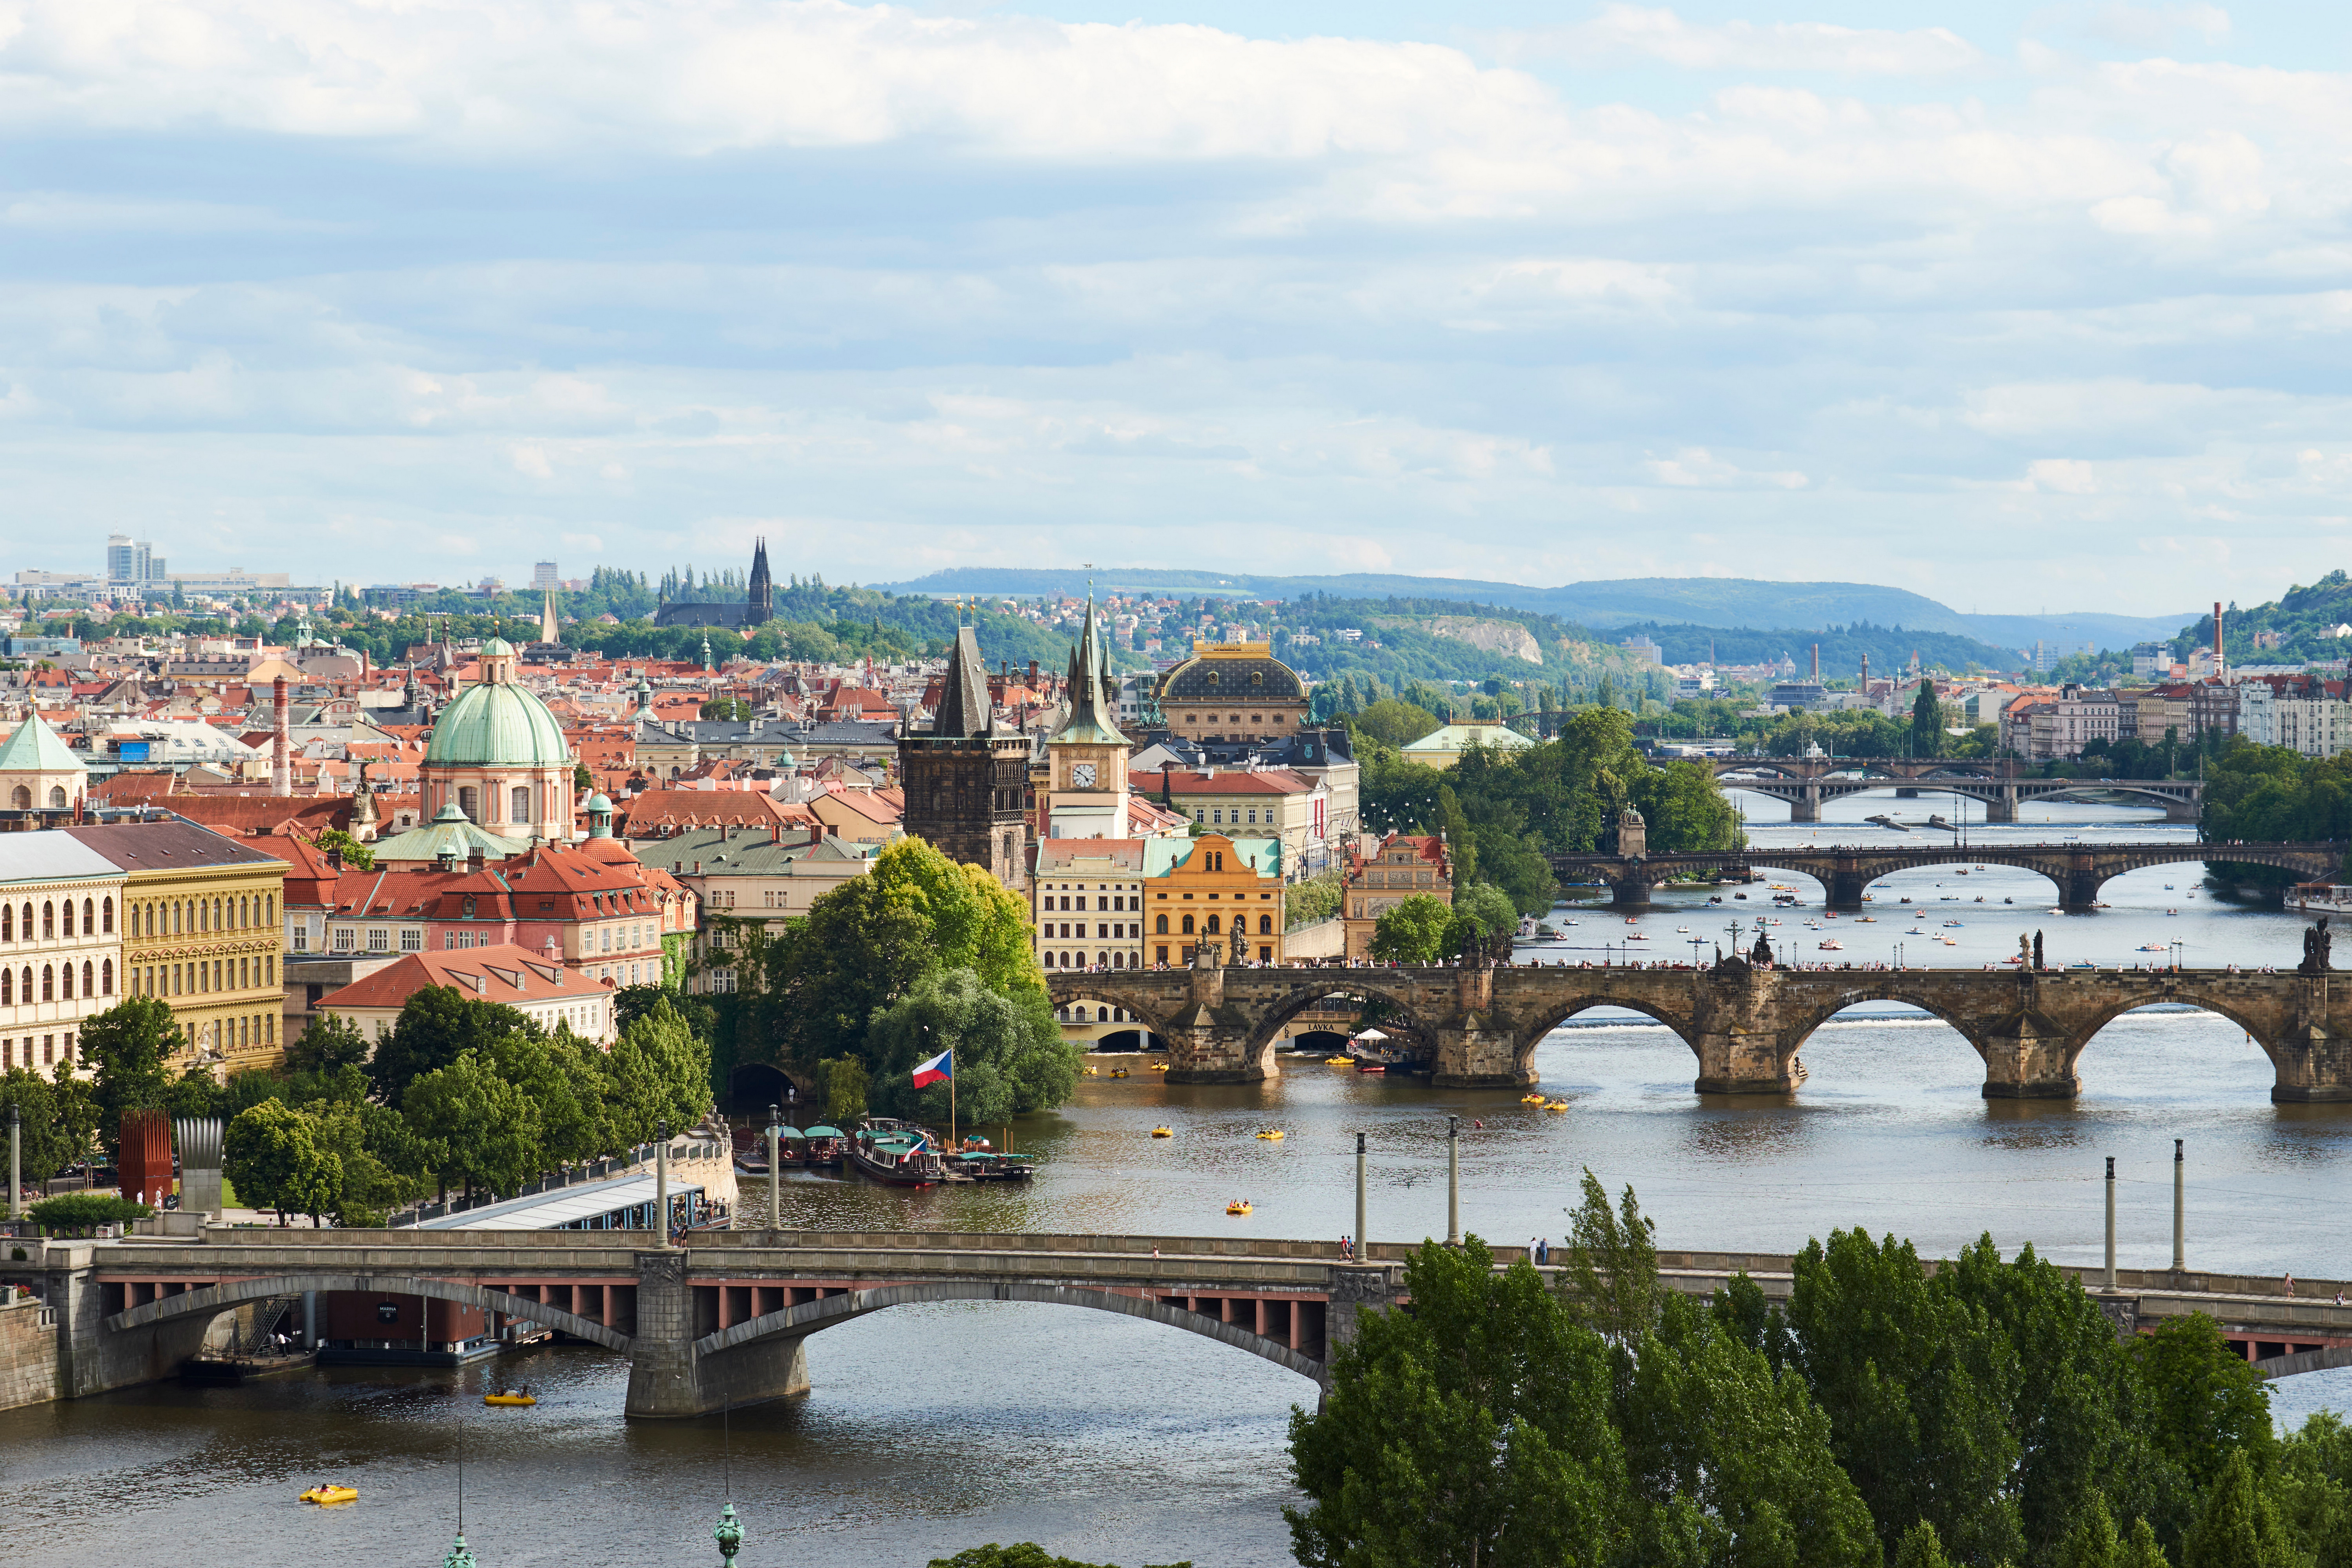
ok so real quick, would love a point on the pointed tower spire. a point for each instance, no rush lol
(964, 710)
(1091, 720)
(547, 629)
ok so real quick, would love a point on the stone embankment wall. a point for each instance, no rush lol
(28, 1351)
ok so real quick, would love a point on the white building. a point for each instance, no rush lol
(60, 946)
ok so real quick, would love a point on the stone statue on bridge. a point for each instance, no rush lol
(2315, 948)
(1761, 954)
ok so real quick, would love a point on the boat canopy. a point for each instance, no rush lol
(825, 1132)
(794, 1133)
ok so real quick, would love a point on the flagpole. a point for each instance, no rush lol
(951, 1098)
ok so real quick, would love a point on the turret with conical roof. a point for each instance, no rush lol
(964, 709)
(1091, 721)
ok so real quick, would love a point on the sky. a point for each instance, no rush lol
(2019, 305)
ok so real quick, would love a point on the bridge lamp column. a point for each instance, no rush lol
(661, 1181)
(1452, 1182)
(1359, 1194)
(2179, 1237)
(2111, 1222)
(15, 1163)
(775, 1193)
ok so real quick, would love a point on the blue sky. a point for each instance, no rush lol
(2014, 305)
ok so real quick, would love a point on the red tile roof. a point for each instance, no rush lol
(503, 973)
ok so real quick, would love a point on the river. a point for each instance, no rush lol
(932, 1428)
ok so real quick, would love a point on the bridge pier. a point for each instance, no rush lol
(1846, 884)
(667, 1379)
(1631, 892)
(2001, 805)
(1805, 805)
(2079, 893)
(2313, 1063)
(2028, 1056)
(1740, 1034)
(1210, 1041)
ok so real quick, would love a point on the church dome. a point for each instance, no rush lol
(496, 724)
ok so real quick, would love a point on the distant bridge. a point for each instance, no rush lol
(1806, 782)
(726, 1320)
(1846, 871)
(1479, 1027)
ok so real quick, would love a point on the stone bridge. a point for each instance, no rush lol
(1846, 872)
(1479, 1027)
(1806, 782)
(726, 1320)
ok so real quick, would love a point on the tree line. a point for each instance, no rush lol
(461, 1093)
(1982, 1413)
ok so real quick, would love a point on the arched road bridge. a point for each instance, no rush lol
(1806, 782)
(726, 1320)
(1479, 1027)
(2079, 870)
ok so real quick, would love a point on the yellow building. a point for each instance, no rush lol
(201, 930)
(1226, 892)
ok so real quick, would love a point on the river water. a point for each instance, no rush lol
(937, 1427)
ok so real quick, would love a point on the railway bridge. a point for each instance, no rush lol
(1806, 782)
(726, 1320)
(1846, 871)
(1479, 1027)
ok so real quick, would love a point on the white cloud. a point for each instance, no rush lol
(2064, 476)
(1623, 31)
(1697, 468)
(531, 461)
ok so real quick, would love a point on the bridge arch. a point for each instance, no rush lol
(1074, 990)
(1558, 1012)
(1888, 988)
(1269, 1015)
(213, 1300)
(2087, 1029)
(811, 1316)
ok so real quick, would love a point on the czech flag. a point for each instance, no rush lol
(938, 1070)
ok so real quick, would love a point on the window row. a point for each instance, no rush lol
(517, 804)
(54, 1050)
(182, 917)
(57, 983)
(1241, 923)
(201, 978)
(56, 919)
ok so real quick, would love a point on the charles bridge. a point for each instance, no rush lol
(1806, 782)
(726, 1320)
(1476, 1026)
(1846, 871)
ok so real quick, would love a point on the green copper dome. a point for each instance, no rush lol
(496, 724)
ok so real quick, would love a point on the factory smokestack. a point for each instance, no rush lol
(281, 775)
(1817, 664)
(2216, 637)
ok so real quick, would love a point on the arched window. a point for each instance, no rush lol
(49, 983)
(22, 799)
(1161, 927)
(106, 978)
(27, 992)
(1188, 925)
(88, 974)
(469, 801)
(67, 924)
(270, 909)
(178, 916)
(7, 922)
(57, 796)
(518, 806)
(90, 926)
(106, 914)
(1265, 925)
(1212, 927)
(7, 988)
(48, 921)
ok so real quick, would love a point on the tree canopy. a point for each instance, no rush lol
(1010, 1057)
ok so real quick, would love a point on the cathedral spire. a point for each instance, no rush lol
(964, 710)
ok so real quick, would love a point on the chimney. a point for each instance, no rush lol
(281, 777)
(1866, 673)
(474, 858)
(2216, 637)
(1817, 664)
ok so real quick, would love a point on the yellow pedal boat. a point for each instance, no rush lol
(1237, 1208)
(1159, 1066)
(1273, 1135)
(509, 1399)
(1555, 1105)
(324, 1495)
(1163, 1132)
(1337, 1062)
(1531, 1099)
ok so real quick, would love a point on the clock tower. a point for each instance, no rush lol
(1087, 793)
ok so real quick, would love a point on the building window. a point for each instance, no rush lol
(469, 801)
(1160, 927)
(343, 939)
(49, 983)
(1160, 955)
(518, 803)
(48, 921)
(107, 912)
(1188, 925)
(1265, 925)
(411, 940)
(379, 940)
(298, 936)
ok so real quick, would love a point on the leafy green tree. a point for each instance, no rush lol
(1395, 723)
(195, 1092)
(56, 1118)
(725, 708)
(1315, 899)
(436, 1025)
(1472, 1430)
(1412, 930)
(357, 857)
(129, 1044)
(1921, 1548)
(842, 1083)
(1918, 1386)
(2093, 1541)
(1728, 1457)
(72, 1212)
(2240, 1528)
(1610, 1281)
(359, 1134)
(1010, 1057)
(273, 1156)
(482, 1131)
(329, 1041)
(1926, 723)
(2207, 1403)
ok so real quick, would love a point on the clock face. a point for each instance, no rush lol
(1082, 775)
